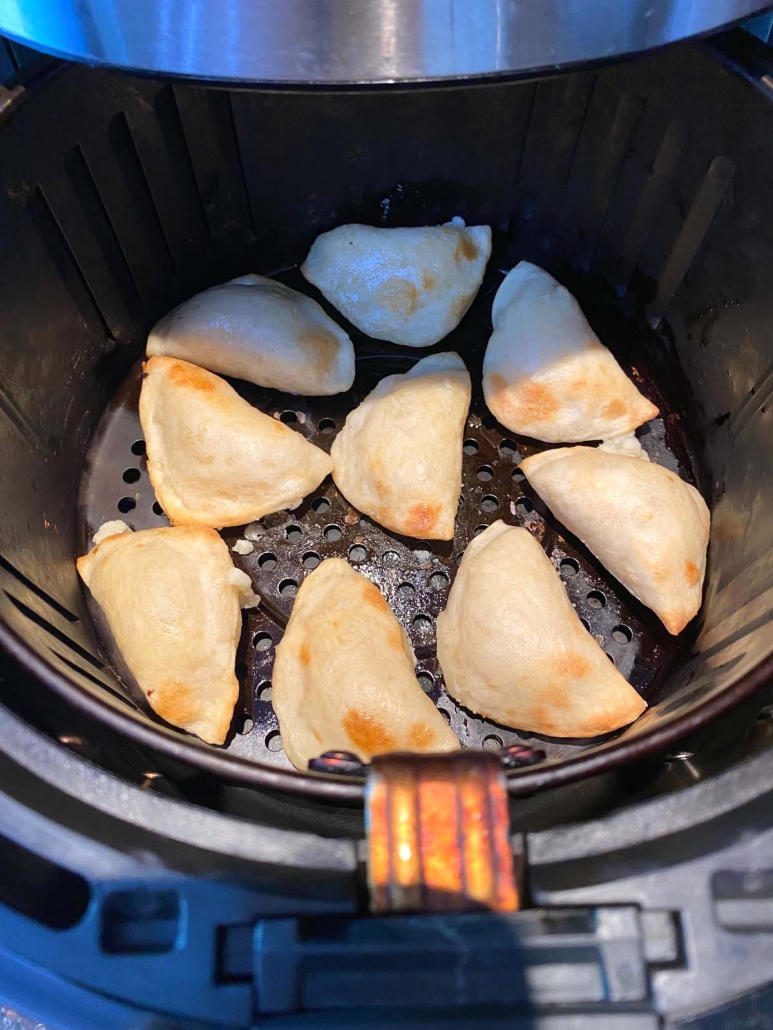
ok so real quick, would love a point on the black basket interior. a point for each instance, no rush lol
(643, 186)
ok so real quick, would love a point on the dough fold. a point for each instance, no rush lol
(513, 649)
(398, 458)
(260, 330)
(213, 459)
(173, 607)
(344, 674)
(409, 286)
(546, 374)
(643, 523)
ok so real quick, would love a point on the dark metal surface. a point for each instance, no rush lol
(346, 41)
(414, 575)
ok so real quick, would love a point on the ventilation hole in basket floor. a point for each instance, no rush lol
(609, 656)
(157, 509)
(569, 567)
(485, 473)
(267, 561)
(310, 560)
(126, 504)
(596, 599)
(288, 417)
(358, 553)
(327, 425)
(293, 534)
(332, 533)
(138, 447)
(470, 446)
(405, 591)
(524, 506)
(422, 624)
(490, 503)
(246, 726)
(508, 448)
(262, 641)
(321, 504)
(492, 742)
(131, 475)
(518, 476)
(586, 624)
(622, 635)
(288, 588)
(480, 529)
(390, 558)
(438, 581)
(274, 741)
(426, 681)
(264, 691)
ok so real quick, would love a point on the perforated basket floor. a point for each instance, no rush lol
(414, 575)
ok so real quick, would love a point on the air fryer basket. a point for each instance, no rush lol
(643, 186)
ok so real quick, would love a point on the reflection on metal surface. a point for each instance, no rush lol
(438, 834)
(357, 41)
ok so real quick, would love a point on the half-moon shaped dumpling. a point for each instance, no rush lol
(344, 677)
(546, 374)
(513, 649)
(213, 459)
(643, 523)
(172, 601)
(260, 330)
(409, 286)
(399, 456)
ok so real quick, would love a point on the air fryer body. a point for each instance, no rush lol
(645, 186)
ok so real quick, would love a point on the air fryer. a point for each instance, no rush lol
(643, 186)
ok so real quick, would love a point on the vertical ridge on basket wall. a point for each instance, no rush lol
(25, 584)
(75, 205)
(32, 610)
(713, 295)
(115, 166)
(207, 123)
(71, 635)
(35, 540)
(697, 222)
(557, 118)
(17, 417)
(610, 127)
(163, 154)
(59, 311)
(646, 173)
(65, 261)
(384, 158)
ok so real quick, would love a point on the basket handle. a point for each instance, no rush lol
(438, 834)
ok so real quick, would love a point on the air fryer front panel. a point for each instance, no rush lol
(643, 186)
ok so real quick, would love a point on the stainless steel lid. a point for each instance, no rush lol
(356, 41)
